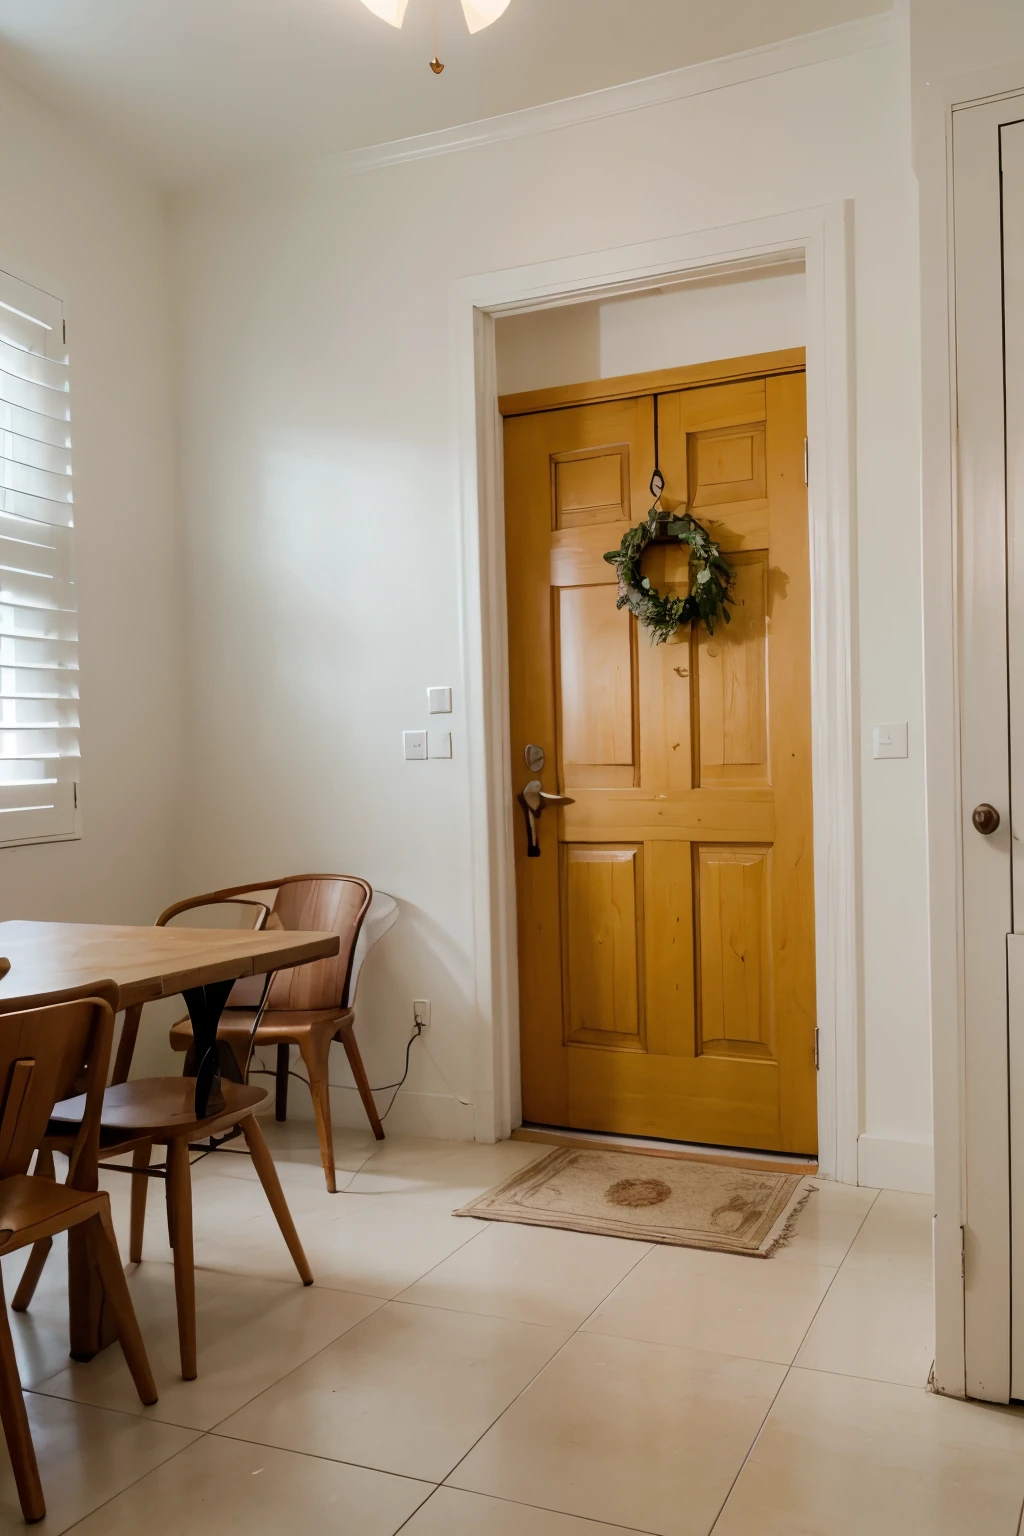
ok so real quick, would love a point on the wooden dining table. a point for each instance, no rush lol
(144, 964)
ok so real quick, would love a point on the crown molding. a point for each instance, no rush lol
(676, 85)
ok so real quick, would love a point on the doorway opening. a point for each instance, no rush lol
(666, 909)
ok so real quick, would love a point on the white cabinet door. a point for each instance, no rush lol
(1011, 156)
(988, 218)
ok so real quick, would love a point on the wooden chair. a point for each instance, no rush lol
(46, 1053)
(161, 1111)
(305, 1006)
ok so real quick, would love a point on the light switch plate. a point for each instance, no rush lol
(440, 743)
(439, 701)
(891, 740)
(415, 744)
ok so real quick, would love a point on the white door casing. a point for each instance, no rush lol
(821, 236)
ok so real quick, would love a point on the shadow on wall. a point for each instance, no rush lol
(414, 959)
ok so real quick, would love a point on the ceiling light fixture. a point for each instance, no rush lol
(478, 13)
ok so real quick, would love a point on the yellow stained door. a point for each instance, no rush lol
(666, 929)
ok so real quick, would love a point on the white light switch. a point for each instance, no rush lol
(415, 743)
(439, 701)
(891, 740)
(440, 743)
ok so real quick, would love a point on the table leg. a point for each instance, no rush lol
(212, 1058)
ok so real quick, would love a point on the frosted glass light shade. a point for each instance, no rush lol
(480, 13)
(392, 11)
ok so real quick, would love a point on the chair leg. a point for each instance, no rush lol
(108, 1262)
(346, 1035)
(16, 1426)
(264, 1165)
(32, 1273)
(179, 1204)
(141, 1158)
(315, 1057)
(281, 1094)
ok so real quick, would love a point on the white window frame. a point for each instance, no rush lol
(27, 303)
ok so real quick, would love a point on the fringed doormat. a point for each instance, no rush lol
(658, 1200)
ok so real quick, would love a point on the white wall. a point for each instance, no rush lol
(319, 467)
(732, 316)
(78, 224)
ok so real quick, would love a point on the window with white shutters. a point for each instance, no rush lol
(39, 750)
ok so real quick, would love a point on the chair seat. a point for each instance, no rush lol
(156, 1107)
(31, 1206)
(276, 1028)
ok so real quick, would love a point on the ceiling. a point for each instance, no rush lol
(204, 88)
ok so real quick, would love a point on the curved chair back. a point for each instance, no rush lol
(47, 1054)
(320, 903)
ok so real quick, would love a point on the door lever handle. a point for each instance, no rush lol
(533, 799)
(537, 798)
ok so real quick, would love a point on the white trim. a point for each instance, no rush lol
(821, 236)
(675, 85)
(894, 1162)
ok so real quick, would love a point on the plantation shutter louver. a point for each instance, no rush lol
(39, 748)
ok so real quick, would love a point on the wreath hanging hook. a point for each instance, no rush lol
(711, 575)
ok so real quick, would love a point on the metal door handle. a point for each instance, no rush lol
(985, 818)
(533, 799)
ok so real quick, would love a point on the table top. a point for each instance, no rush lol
(145, 963)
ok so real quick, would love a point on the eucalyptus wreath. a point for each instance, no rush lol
(711, 576)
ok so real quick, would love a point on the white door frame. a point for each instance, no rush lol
(821, 236)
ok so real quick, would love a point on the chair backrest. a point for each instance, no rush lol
(49, 1053)
(320, 903)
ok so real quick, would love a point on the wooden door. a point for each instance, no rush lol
(666, 930)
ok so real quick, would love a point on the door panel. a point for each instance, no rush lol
(732, 684)
(595, 643)
(734, 951)
(602, 932)
(666, 930)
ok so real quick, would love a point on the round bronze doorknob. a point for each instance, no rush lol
(985, 818)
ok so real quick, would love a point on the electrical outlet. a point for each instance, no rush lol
(421, 1013)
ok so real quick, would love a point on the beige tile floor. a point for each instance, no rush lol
(449, 1377)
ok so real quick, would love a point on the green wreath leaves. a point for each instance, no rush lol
(711, 576)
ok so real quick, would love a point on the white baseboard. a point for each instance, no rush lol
(885, 1162)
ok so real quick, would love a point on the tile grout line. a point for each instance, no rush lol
(383, 1301)
(210, 1434)
(142, 1476)
(789, 1368)
(605, 1525)
(544, 1367)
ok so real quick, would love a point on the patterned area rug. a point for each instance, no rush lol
(658, 1200)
